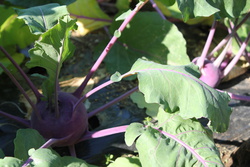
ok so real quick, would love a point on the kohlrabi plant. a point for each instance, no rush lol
(147, 48)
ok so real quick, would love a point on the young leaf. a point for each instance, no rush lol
(10, 161)
(178, 88)
(147, 35)
(177, 142)
(25, 140)
(133, 131)
(89, 15)
(44, 157)
(42, 18)
(51, 51)
(69, 161)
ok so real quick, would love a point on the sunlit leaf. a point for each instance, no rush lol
(42, 18)
(89, 15)
(176, 142)
(147, 35)
(10, 161)
(52, 50)
(178, 89)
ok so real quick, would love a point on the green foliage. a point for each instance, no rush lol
(89, 15)
(31, 3)
(177, 89)
(10, 161)
(126, 162)
(222, 8)
(146, 36)
(25, 140)
(42, 18)
(173, 137)
(50, 52)
(13, 34)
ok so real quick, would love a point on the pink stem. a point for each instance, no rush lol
(157, 9)
(236, 57)
(103, 133)
(94, 112)
(201, 60)
(80, 89)
(224, 41)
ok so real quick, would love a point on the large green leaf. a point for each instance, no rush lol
(224, 8)
(42, 18)
(51, 51)
(178, 89)
(175, 142)
(89, 15)
(25, 140)
(147, 35)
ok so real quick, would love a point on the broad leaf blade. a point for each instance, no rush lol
(25, 140)
(126, 162)
(147, 35)
(42, 18)
(11, 161)
(51, 51)
(178, 142)
(178, 89)
(89, 15)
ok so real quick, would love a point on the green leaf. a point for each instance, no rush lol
(25, 140)
(31, 3)
(49, 53)
(147, 35)
(13, 31)
(18, 57)
(168, 2)
(44, 157)
(224, 8)
(195, 8)
(133, 131)
(178, 89)
(151, 108)
(68, 161)
(10, 162)
(42, 18)
(177, 142)
(126, 162)
(89, 15)
(122, 5)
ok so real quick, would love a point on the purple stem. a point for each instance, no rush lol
(201, 60)
(80, 89)
(20, 89)
(239, 97)
(91, 18)
(221, 57)
(16, 119)
(224, 41)
(238, 40)
(157, 9)
(72, 150)
(236, 57)
(103, 133)
(26, 78)
(90, 93)
(94, 112)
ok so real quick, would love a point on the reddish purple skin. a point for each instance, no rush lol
(66, 124)
(210, 74)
